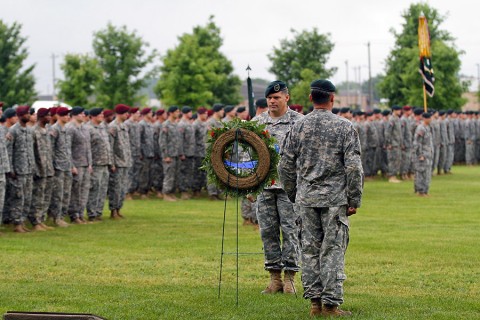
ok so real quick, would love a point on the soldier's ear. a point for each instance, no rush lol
(310, 98)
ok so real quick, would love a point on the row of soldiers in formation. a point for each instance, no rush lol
(62, 162)
(58, 162)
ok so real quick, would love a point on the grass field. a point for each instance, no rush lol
(409, 258)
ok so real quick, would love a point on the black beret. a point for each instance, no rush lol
(76, 111)
(194, 116)
(241, 109)
(396, 108)
(95, 111)
(275, 86)
(385, 112)
(345, 110)
(172, 109)
(377, 111)
(186, 109)
(228, 108)
(3, 119)
(442, 113)
(261, 103)
(450, 111)
(418, 111)
(369, 113)
(86, 112)
(426, 115)
(323, 85)
(217, 107)
(335, 110)
(31, 111)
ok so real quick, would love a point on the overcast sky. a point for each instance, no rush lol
(250, 29)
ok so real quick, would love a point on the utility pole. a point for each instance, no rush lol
(370, 88)
(53, 76)
(348, 85)
(360, 87)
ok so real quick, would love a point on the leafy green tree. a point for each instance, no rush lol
(196, 73)
(300, 93)
(307, 50)
(82, 77)
(17, 84)
(123, 57)
(402, 83)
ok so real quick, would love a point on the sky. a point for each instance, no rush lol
(250, 29)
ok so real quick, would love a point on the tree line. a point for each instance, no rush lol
(197, 73)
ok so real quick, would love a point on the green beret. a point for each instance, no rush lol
(77, 110)
(322, 85)
(9, 113)
(261, 103)
(95, 111)
(172, 109)
(228, 108)
(186, 109)
(275, 86)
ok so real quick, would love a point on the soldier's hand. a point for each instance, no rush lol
(422, 158)
(182, 157)
(167, 160)
(74, 171)
(351, 211)
(250, 198)
(12, 175)
(113, 169)
(90, 169)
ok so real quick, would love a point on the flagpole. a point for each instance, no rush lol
(425, 109)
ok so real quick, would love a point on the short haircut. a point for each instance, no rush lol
(320, 96)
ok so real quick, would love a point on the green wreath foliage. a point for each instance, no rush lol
(264, 135)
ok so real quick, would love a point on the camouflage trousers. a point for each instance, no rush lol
(117, 188)
(199, 175)
(394, 158)
(442, 157)
(370, 165)
(169, 175)
(61, 191)
(249, 210)
(134, 174)
(185, 174)
(406, 161)
(275, 214)
(213, 190)
(41, 196)
(459, 150)
(20, 198)
(157, 175)
(423, 176)
(145, 180)
(98, 191)
(449, 158)
(324, 237)
(3, 186)
(80, 190)
(436, 156)
(470, 152)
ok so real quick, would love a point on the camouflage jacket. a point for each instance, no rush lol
(101, 149)
(187, 134)
(134, 137)
(169, 140)
(20, 149)
(81, 146)
(4, 160)
(423, 145)
(147, 142)
(42, 151)
(393, 132)
(320, 164)
(200, 128)
(62, 149)
(120, 142)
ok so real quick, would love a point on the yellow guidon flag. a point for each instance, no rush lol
(425, 69)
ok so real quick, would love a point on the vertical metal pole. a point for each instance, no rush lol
(370, 88)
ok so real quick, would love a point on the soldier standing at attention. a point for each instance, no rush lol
(423, 155)
(122, 160)
(102, 162)
(169, 145)
(200, 129)
(20, 153)
(44, 172)
(147, 151)
(82, 164)
(157, 168)
(187, 153)
(133, 125)
(5, 167)
(275, 212)
(393, 144)
(321, 171)
(11, 119)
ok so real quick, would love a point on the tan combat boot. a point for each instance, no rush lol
(185, 196)
(276, 284)
(38, 227)
(316, 308)
(114, 214)
(393, 179)
(61, 223)
(169, 197)
(334, 311)
(288, 282)
(19, 229)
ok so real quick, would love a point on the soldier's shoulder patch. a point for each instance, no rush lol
(9, 136)
(111, 131)
(165, 129)
(421, 133)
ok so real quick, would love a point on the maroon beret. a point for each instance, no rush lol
(62, 111)
(1, 104)
(407, 108)
(42, 112)
(121, 109)
(107, 113)
(53, 110)
(22, 110)
(160, 112)
(133, 110)
(210, 112)
(201, 110)
(145, 111)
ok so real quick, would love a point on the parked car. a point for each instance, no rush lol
(48, 104)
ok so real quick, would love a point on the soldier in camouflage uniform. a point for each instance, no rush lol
(157, 167)
(187, 153)
(133, 125)
(321, 171)
(62, 163)
(169, 145)
(82, 164)
(4, 167)
(371, 147)
(200, 130)
(470, 138)
(394, 143)
(44, 172)
(215, 122)
(122, 160)
(102, 161)
(147, 151)
(442, 153)
(10, 117)
(423, 156)
(275, 212)
(435, 127)
(407, 142)
(20, 153)
(450, 121)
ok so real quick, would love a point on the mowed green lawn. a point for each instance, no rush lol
(408, 258)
